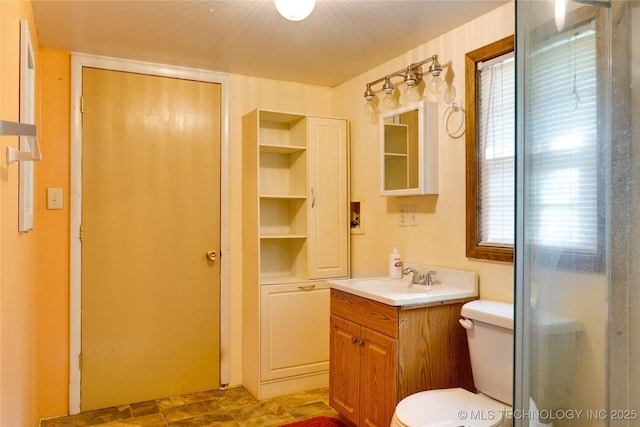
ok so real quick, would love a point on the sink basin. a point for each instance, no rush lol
(448, 285)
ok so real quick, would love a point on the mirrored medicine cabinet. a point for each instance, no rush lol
(409, 150)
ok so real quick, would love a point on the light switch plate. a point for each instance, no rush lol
(54, 198)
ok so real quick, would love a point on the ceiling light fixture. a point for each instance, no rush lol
(412, 77)
(295, 10)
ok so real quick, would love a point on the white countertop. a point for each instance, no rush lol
(448, 285)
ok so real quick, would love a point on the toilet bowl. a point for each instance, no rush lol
(489, 326)
(450, 407)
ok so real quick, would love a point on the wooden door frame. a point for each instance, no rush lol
(78, 62)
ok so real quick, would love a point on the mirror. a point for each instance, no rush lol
(409, 155)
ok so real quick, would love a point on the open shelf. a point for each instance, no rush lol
(283, 217)
(283, 260)
(283, 173)
(280, 149)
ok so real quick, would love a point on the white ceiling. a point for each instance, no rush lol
(340, 40)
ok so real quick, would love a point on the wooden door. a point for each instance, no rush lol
(344, 368)
(150, 212)
(378, 374)
(328, 198)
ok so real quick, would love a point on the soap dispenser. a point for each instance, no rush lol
(395, 264)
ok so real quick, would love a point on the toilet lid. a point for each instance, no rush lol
(450, 407)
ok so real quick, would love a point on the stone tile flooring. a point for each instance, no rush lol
(233, 407)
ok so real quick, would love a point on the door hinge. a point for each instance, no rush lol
(81, 234)
(81, 104)
(80, 361)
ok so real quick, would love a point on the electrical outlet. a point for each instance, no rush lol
(413, 215)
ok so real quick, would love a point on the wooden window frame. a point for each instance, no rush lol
(473, 249)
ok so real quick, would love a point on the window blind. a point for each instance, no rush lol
(496, 155)
(562, 177)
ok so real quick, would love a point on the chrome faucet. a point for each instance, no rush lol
(430, 275)
(419, 278)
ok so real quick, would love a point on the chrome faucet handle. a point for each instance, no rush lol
(418, 278)
(408, 270)
(429, 277)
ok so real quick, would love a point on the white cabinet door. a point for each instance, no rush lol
(327, 198)
(294, 325)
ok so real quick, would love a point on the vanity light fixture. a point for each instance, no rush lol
(369, 106)
(295, 10)
(412, 77)
(560, 13)
(388, 101)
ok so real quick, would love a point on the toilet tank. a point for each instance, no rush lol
(489, 326)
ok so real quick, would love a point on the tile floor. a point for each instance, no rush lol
(234, 407)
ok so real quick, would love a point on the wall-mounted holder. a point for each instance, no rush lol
(356, 225)
(26, 130)
(28, 153)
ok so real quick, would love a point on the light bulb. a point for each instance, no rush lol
(560, 13)
(389, 102)
(295, 10)
(369, 108)
(437, 85)
(412, 94)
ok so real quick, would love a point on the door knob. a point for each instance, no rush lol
(211, 255)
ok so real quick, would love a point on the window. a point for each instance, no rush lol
(564, 185)
(490, 146)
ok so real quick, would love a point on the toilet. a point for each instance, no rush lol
(489, 326)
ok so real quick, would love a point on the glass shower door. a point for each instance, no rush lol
(578, 214)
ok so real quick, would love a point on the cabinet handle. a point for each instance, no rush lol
(313, 197)
(307, 287)
(355, 340)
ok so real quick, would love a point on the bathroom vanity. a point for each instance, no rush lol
(390, 339)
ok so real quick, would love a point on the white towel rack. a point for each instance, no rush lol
(21, 129)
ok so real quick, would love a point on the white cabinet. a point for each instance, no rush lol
(409, 150)
(294, 321)
(295, 233)
(328, 192)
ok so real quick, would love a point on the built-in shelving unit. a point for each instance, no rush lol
(282, 145)
(295, 221)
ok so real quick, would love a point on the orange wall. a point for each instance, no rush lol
(53, 228)
(34, 266)
(19, 252)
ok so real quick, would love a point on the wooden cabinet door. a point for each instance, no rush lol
(344, 370)
(327, 198)
(294, 329)
(378, 378)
